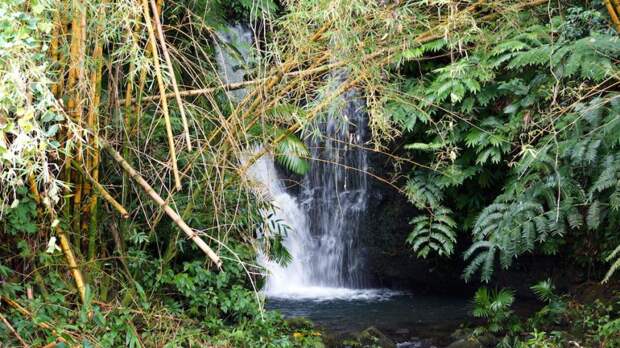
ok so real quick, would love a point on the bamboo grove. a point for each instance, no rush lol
(124, 157)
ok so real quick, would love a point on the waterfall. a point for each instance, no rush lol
(334, 193)
(324, 218)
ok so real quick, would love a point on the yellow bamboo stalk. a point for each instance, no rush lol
(616, 4)
(81, 76)
(103, 192)
(174, 216)
(613, 14)
(162, 91)
(203, 91)
(92, 160)
(175, 87)
(57, 25)
(65, 245)
(71, 90)
(33, 189)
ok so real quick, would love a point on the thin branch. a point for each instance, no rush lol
(175, 87)
(174, 216)
(15, 333)
(162, 91)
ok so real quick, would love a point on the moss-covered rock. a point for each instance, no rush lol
(470, 342)
(373, 337)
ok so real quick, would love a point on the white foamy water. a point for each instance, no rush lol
(296, 281)
(322, 240)
(286, 210)
(321, 293)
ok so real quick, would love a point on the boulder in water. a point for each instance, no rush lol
(470, 342)
(374, 337)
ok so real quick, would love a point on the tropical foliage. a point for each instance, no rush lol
(127, 217)
(520, 130)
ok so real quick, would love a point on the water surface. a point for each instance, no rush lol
(350, 310)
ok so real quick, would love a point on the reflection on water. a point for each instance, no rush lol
(385, 310)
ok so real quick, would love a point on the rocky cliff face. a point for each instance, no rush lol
(390, 262)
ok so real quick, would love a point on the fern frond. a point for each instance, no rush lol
(593, 219)
(423, 191)
(544, 290)
(614, 266)
(433, 232)
(293, 154)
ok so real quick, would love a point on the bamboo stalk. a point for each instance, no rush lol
(92, 207)
(174, 216)
(103, 192)
(33, 189)
(89, 224)
(54, 50)
(175, 87)
(65, 245)
(78, 114)
(162, 91)
(202, 91)
(616, 4)
(613, 14)
(72, 108)
(242, 84)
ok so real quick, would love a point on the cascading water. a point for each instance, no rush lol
(326, 261)
(335, 193)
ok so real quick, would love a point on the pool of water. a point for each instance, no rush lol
(350, 310)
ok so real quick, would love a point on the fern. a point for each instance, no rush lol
(293, 155)
(521, 127)
(589, 57)
(423, 192)
(609, 176)
(434, 232)
(495, 308)
(459, 78)
(615, 265)
(507, 229)
(544, 290)
(419, 51)
(484, 260)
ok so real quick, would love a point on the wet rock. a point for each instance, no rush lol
(466, 343)
(488, 340)
(416, 343)
(374, 337)
(460, 334)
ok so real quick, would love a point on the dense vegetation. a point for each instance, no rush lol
(127, 217)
